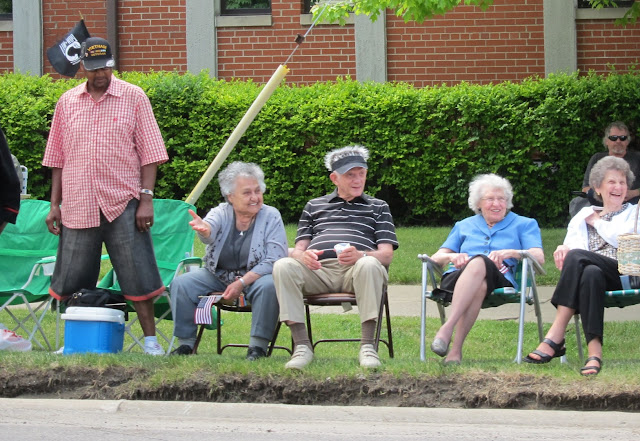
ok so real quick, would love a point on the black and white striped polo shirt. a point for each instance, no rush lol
(364, 222)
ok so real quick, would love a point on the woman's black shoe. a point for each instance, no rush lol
(558, 351)
(182, 350)
(254, 353)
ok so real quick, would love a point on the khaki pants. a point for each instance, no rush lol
(293, 280)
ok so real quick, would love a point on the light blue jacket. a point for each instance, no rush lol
(473, 236)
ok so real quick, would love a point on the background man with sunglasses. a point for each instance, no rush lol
(616, 139)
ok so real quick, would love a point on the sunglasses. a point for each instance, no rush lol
(617, 137)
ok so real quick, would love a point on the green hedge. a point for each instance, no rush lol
(426, 144)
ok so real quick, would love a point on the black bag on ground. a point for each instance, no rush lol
(98, 298)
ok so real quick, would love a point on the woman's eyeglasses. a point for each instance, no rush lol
(617, 137)
(499, 200)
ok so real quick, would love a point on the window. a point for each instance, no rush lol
(6, 9)
(308, 4)
(620, 3)
(245, 7)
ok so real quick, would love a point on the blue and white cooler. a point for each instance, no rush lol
(98, 330)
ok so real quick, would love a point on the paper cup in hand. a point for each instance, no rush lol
(340, 247)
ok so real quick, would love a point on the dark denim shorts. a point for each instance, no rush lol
(130, 251)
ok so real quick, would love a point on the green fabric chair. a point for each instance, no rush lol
(527, 269)
(173, 245)
(612, 299)
(27, 256)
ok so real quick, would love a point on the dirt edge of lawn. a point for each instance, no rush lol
(453, 390)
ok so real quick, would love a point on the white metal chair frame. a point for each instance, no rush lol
(46, 267)
(431, 271)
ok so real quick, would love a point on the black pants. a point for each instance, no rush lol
(494, 278)
(584, 278)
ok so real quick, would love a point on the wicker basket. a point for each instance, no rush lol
(629, 250)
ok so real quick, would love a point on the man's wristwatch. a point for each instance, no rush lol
(146, 191)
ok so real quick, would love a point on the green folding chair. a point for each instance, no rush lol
(27, 256)
(612, 299)
(527, 269)
(173, 245)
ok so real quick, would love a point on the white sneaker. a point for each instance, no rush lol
(301, 357)
(369, 357)
(153, 349)
(10, 341)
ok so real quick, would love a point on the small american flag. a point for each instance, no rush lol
(504, 269)
(203, 310)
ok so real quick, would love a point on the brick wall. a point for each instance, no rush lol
(504, 43)
(152, 35)
(603, 46)
(59, 16)
(152, 32)
(256, 52)
(6, 51)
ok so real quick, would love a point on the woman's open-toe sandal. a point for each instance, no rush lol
(595, 369)
(558, 351)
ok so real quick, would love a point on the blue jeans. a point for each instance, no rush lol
(187, 288)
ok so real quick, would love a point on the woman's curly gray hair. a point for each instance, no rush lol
(352, 150)
(490, 181)
(600, 169)
(227, 177)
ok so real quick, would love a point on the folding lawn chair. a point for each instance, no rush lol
(619, 298)
(27, 256)
(173, 245)
(528, 294)
(347, 300)
(239, 305)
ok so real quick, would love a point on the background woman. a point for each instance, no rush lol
(483, 250)
(244, 238)
(588, 263)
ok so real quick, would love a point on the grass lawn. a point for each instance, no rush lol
(489, 350)
(490, 347)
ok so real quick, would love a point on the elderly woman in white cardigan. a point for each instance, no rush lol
(588, 263)
(244, 238)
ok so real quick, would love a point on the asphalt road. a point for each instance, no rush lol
(70, 420)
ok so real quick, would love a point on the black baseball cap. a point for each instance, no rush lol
(96, 54)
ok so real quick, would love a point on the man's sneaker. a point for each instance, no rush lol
(301, 357)
(255, 352)
(153, 349)
(182, 350)
(369, 357)
(10, 341)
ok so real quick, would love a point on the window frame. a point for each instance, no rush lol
(584, 4)
(224, 11)
(306, 6)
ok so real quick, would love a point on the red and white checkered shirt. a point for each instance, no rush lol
(101, 147)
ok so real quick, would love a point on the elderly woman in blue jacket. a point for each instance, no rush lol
(484, 250)
(244, 239)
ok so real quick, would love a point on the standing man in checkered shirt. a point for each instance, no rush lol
(344, 241)
(104, 149)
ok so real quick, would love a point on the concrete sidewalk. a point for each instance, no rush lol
(404, 300)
